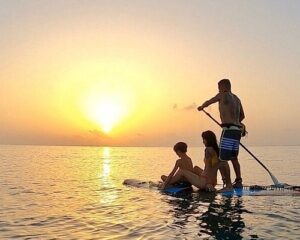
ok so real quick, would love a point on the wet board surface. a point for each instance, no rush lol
(180, 189)
(259, 192)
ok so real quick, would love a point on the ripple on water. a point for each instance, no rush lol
(79, 195)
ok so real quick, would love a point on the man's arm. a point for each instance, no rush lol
(209, 102)
(241, 118)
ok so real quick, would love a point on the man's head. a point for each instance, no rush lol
(224, 85)
(180, 147)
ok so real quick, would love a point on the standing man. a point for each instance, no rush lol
(231, 114)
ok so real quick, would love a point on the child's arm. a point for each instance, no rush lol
(165, 184)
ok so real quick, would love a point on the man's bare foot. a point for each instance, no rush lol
(209, 188)
(226, 189)
(238, 183)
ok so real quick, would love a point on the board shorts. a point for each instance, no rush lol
(230, 142)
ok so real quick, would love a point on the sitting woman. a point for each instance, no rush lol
(203, 179)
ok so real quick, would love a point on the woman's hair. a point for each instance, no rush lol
(180, 146)
(211, 140)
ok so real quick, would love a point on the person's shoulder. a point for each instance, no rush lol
(235, 96)
(223, 95)
(219, 95)
(184, 160)
(209, 151)
(179, 161)
(189, 159)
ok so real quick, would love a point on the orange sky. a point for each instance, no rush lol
(132, 73)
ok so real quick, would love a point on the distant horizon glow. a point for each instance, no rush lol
(132, 74)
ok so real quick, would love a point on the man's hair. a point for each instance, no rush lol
(180, 146)
(225, 83)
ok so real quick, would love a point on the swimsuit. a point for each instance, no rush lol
(214, 160)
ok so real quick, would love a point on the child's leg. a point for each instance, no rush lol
(194, 179)
(179, 176)
(197, 170)
(163, 177)
(176, 178)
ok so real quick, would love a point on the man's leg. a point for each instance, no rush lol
(237, 170)
(226, 144)
(225, 170)
(222, 171)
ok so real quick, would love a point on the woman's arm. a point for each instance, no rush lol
(210, 171)
(208, 159)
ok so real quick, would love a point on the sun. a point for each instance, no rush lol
(106, 111)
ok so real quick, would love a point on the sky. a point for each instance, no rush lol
(132, 73)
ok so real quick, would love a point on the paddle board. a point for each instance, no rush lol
(172, 190)
(246, 191)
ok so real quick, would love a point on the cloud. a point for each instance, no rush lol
(190, 107)
(97, 133)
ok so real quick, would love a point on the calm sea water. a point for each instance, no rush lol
(77, 193)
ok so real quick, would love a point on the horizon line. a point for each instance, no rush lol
(127, 146)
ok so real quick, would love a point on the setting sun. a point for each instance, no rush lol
(106, 111)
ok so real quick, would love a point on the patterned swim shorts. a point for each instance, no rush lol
(229, 143)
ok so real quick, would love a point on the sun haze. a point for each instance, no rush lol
(132, 73)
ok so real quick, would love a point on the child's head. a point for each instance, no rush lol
(180, 147)
(210, 140)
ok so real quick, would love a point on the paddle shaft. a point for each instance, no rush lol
(276, 182)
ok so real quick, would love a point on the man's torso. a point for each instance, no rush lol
(229, 107)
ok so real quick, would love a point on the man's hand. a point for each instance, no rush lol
(200, 108)
(244, 131)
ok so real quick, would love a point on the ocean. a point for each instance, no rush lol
(58, 192)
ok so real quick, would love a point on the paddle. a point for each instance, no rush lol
(275, 181)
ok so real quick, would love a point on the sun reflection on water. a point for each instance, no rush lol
(106, 163)
(105, 178)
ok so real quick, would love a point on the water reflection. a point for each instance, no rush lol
(213, 215)
(223, 218)
(105, 178)
(105, 163)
